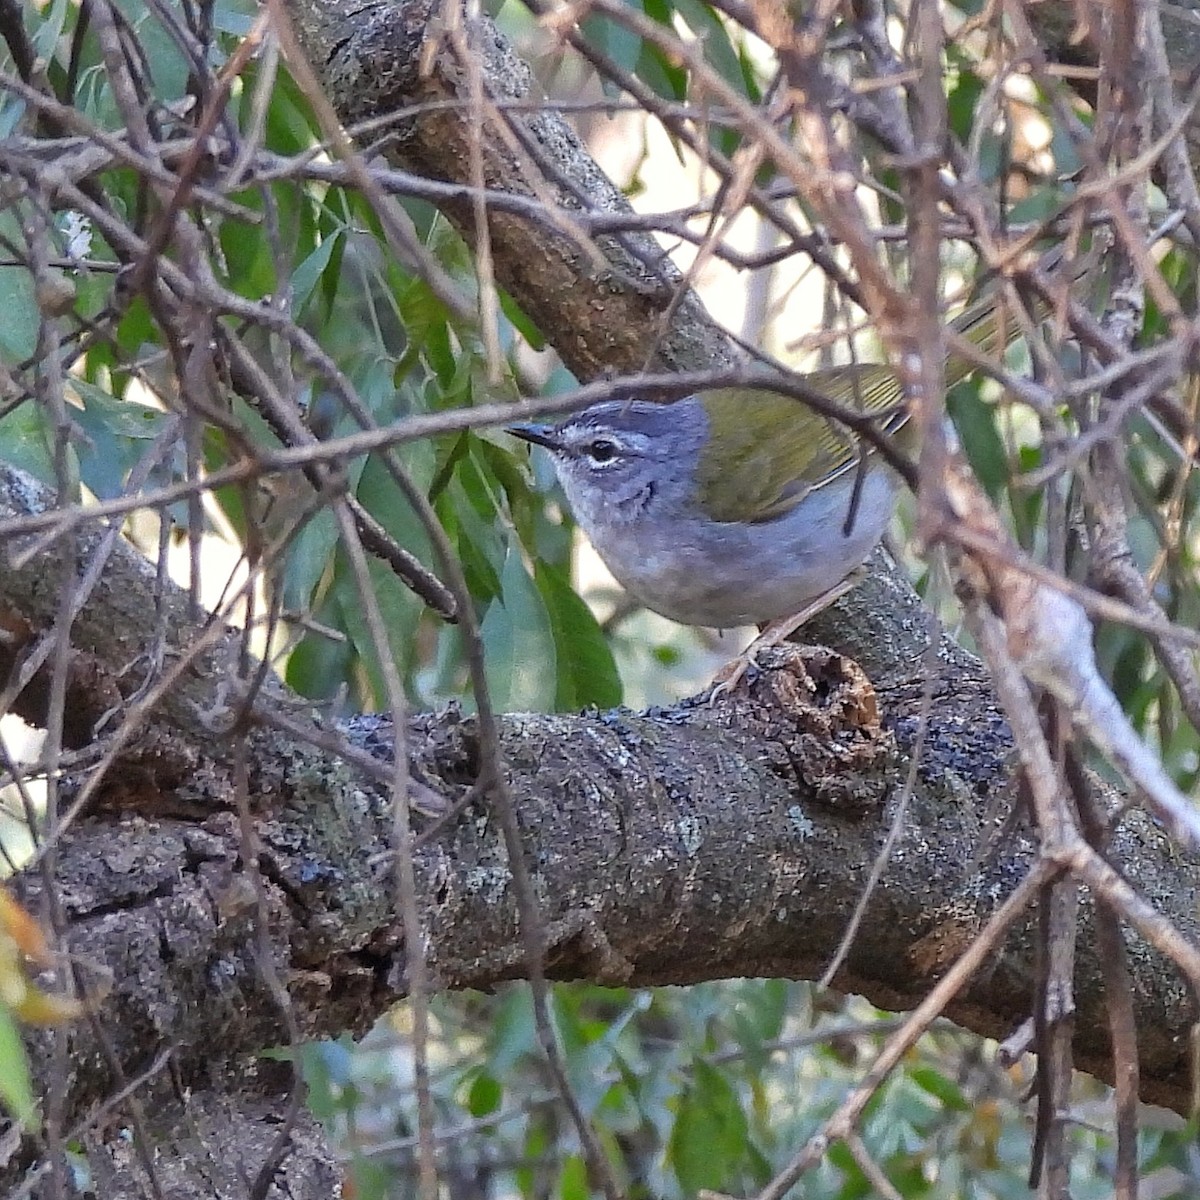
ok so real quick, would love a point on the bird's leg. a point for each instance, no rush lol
(775, 632)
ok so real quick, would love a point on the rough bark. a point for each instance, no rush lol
(690, 843)
(601, 316)
(669, 847)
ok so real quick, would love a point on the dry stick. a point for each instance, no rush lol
(1054, 1062)
(846, 1118)
(673, 120)
(249, 847)
(871, 1169)
(100, 149)
(49, 384)
(1060, 839)
(1122, 1027)
(735, 188)
(18, 775)
(806, 175)
(1118, 991)
(814, 245)
(1120, 895)
(98, 1116)
(169, 17)
(75, 588)
(254, 136)
(1113, 566)
(33, 660)
(539, 172)
(1105, 183)
(413, 428)
(1061, 842)
(1166, 362)
(1178, 176)
(550, 216)
(1176, 504)
(406, 878)
(120, 82)
(1056, 652)
(406, 567)
(148, 697)
(927, 285)
(985, 544)
(1106, 188)
(469, 53)
(1054, 1025)
(136, 721)
(1112, 557)
(825, 172)
(292, 431)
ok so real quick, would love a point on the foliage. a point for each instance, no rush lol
(709, 1088)
(21, 1000)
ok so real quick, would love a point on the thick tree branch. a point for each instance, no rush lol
(670, 847)
(601, 302)
(688, 844)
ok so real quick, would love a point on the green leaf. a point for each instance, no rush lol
(16, 1089)
(657, 68)
(399, 609)
(308, 560)
(572, 1179)
(117, 432)
(614, 40)
(758, 1018)
(975, 421)
(513, 1032)
(938, 1085)
(25, 444)
(234, 16)
(711, 33)
(319, 665)
(162, 58)
(521, 322)
(587, 671)
(1027, 505)
(485, 1095)
(708, 1141)
(307, 274)
(963, 96)
(18, 300)
(251, 269)
(518, 643)
(48, 27)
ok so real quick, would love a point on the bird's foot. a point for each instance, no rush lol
(730, 675)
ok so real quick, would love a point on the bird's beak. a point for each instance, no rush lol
(539, 435)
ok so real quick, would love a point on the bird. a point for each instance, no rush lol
(735, 506)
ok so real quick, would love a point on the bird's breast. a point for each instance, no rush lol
(728, 574)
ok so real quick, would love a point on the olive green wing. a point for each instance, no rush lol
(776, 450)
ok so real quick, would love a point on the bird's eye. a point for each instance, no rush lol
(602, 450)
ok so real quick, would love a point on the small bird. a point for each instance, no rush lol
(733, 506)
